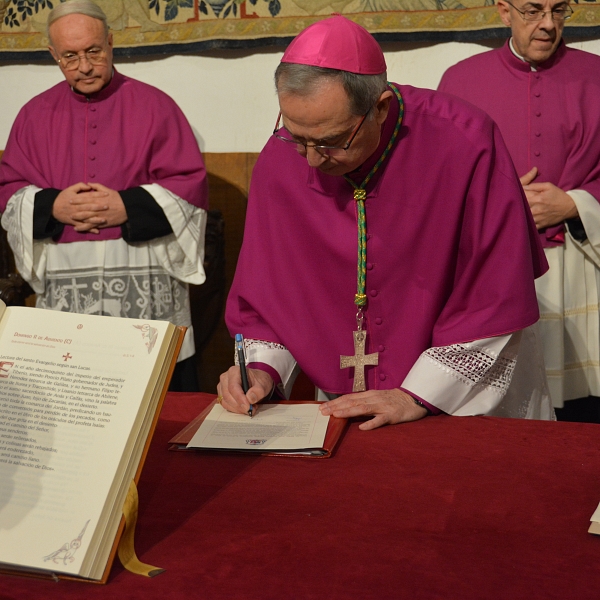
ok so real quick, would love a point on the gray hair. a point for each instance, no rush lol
(76, 7)
(363, 90)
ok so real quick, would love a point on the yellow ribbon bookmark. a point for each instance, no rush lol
(126, 549)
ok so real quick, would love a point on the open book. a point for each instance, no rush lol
(287, 428)
(79, 400)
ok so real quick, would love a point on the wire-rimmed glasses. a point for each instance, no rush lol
(558, 13)
(320, 148)
(70, 60)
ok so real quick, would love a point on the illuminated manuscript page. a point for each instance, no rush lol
(71, 387)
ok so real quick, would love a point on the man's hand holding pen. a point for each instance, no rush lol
(240, 352)
(231, 391)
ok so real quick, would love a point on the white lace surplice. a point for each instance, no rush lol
(276, 356)
(500, 376)
(146, 280)
(568, 295)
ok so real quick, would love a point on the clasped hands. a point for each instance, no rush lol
(89, 207)
(548, 203)
(387, 407)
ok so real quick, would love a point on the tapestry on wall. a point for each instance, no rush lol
(177, 26)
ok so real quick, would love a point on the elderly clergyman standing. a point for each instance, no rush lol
(103, 188)
(545, 99)
(434, 313)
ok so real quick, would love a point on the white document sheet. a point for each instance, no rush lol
(275, 427)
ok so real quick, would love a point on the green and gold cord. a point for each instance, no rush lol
(360, 195)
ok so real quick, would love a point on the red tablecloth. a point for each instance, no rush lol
(449, 507)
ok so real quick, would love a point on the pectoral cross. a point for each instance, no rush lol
(359, 360)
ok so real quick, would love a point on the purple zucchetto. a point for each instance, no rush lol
(337, 43)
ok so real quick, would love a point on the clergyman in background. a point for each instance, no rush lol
(103, 189)
(544, 97)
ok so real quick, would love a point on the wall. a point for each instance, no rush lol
(228, 96)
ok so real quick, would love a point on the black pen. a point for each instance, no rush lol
(239, 348)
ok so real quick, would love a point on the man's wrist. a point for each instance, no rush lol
(146, 220)
(422, 405)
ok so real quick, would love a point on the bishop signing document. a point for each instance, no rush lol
(389, 252)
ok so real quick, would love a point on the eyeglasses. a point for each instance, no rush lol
(559, 14)
(320, 148)
(70, 61)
